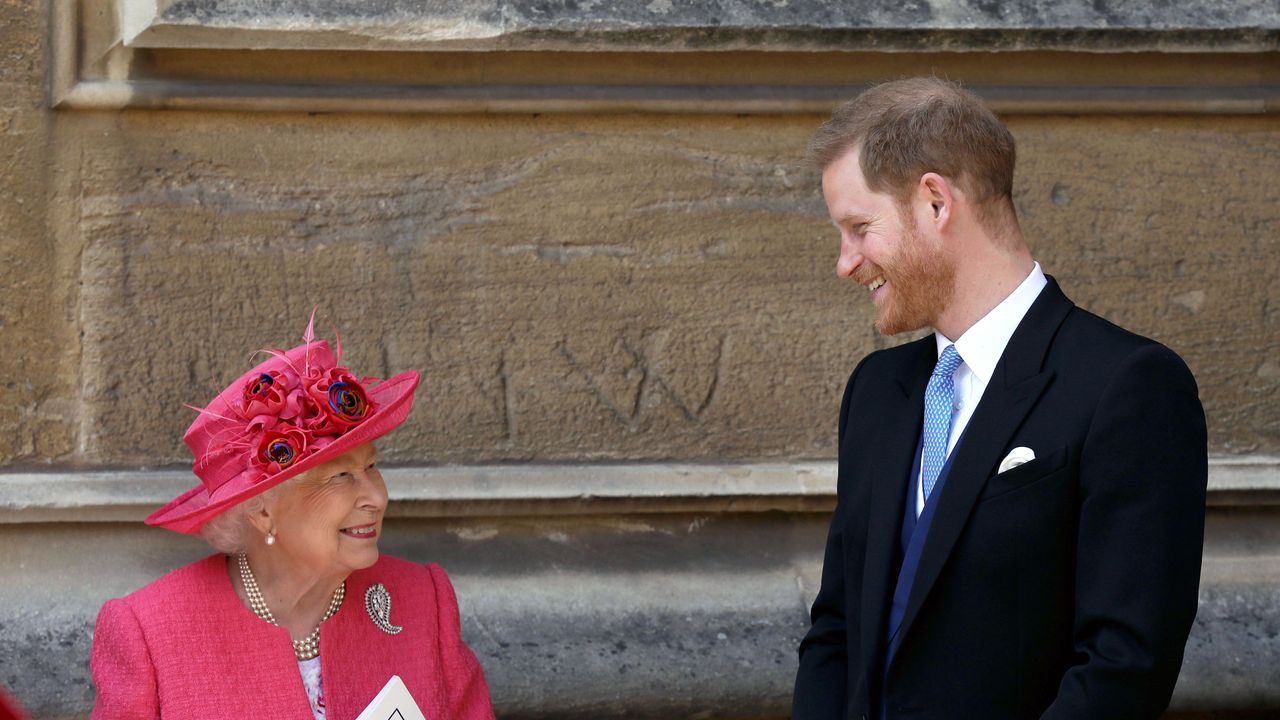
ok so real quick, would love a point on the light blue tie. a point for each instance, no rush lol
(939, 397)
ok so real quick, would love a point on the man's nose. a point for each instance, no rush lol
(850, 257)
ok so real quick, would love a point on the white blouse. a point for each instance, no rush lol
(314, 685)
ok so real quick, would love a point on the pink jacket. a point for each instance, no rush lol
(185, 646)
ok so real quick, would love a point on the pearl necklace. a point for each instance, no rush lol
(309, 646)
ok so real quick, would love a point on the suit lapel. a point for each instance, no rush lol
(1016, 384)
(886, 460)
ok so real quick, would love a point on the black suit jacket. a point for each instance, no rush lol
(1063, 588)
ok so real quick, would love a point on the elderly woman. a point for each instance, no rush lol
(297, 616)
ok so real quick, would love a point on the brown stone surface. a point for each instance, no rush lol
(36, 380)
(582, 287)
(575, 287)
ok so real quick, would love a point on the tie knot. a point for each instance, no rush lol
(948, 361)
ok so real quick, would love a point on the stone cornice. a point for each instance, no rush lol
(656, 56)
(665, 26)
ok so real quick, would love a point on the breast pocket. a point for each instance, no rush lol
(1026, 474)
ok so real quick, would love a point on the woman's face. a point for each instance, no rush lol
(328, 521)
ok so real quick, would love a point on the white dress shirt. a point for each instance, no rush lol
(980, 348)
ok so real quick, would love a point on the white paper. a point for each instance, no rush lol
(393, 703)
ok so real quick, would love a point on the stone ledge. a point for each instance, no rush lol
(589, 618)
(523, 490)
(683, 99)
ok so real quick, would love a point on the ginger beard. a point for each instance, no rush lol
(921, 281)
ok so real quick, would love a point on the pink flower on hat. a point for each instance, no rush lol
(263, 395)
(341, 398)
(279, 449)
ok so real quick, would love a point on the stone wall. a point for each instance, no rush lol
(602, 288)
(643, 300)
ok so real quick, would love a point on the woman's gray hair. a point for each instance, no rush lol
(230, 532)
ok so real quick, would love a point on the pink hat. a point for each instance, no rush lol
(295, 411)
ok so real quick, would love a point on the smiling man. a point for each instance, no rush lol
(1020, 512)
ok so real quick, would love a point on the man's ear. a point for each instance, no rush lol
(936, 191)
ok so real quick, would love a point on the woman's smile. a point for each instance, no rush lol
(363, 532)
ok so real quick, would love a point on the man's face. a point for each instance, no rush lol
(909, 276)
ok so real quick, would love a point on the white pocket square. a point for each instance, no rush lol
(1016, 457)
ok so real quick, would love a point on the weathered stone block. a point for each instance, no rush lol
(36, 380)
(600, 288)
(570, 292)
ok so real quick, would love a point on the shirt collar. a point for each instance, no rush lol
(982, 344)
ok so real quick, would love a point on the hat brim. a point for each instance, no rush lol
(191, 510)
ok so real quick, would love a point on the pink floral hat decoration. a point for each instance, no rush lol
(297, 410)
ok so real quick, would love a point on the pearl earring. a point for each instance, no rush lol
(271, 537)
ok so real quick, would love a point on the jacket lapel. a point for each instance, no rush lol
(1016, 384)
(358, 658)
(886, 461)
